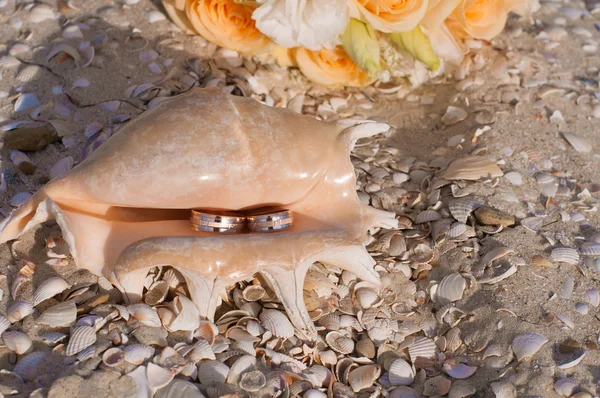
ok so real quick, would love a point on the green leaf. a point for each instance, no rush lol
(418, 45)
(361, 44)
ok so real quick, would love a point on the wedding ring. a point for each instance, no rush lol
(270, 221)
(223, 222)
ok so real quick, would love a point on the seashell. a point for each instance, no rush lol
(113, 357)
(454, 115)
(253, 292)
(179, 388)
(17, 341)
(379, 330)
(487, 215)
(450, 289)
(312, 393)
(591, 296)
(57, 248)
(427, 216)
(572, 363)
(566, 320)
(461, 390)
(365, 348)
(207, 331)
(565, 255)
(158, 377)
(81, 338)
(401, 373)
(403, 392)
(253, 381)
(459, 370)
(81, 82)
(188, 317)
(40, 13)
(49, 288)
(339, 342)
(4, 324)
(52, 338)
(565, 387)
(453, 339)
(461, 208)
(277, 323)
(144, 314)
(20, 198)
(154, 16)
(243, 364)
(330, 321)
(137, 354)
(540, 260)
(18, 311)
(212, 372)
(422, 347)
(156, 293)
(567, 288)
(26, 101)
(582, 308)
(590, 249)
(27, 367)
(456, 230)
(366, 297)
(436, 386)
(363, 377)
(61, 167)
(23, 162)
(580, 144)
(60, 315)
(328, 357)
(514, 178)
(527, 344)
(471, 168)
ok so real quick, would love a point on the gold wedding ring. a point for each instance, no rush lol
(223, 222)
(270, 221)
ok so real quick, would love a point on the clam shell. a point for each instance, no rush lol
(582, 308)
(145, 314)
(330, 321)
(86, 353)
(565, 387)
(471, 168)
(463, 207)
(366, 297)
(566, 320)
(253, 292)
(113, 357)
(422, 347)
(450, 289)
(459, 370)
(456, 230)
(527, 344)
(188, 317)
(212, 372)
(201, 351)
(81, 338)
(137, 354)
(17, 341)
(243, 364)
(453, 339)
(495, 254)
(580, 144)
(60, 315)
(401, 373)
(363, 377)
(61, 167)
(158, 377)
(454, 115)
(179, 388)
(277, 323)
(253, 381)
(49, 288)
(436, 386)
(4, 324)
(27, 367)
(590, 249)
(567, 288)
(18, 311)
(340, 342)
(156, 293)
(565, 255)
(591, 296)
(328, 357)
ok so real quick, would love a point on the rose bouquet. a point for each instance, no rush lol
(349, 42)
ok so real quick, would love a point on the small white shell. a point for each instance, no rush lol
(567, 288)
(580, 144)
(81, 338)
(49, 288)
(113, 357)
(527, 344)
(188, 317)
(459, 370)
(454, 115)
(565, 255)
(61, 167)
(19, 310)
(456, 230)
(565, 387)
(4, 324)
(60, 315)
(422, 347)
(212, 372)
(277, 323)
(514, 177)
(582, 308)
(591, 296)
(363, 377)
(453, 339)
(471, 168)
(158, 377)
(137, 354)
(533, 223)
(450, 289)
(340, 342)
(40, 13)
(17, 341)
(566, 320)
(145, 314)
(401, 373)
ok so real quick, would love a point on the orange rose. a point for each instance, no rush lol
(389, 15)
(437, 12)
(482, 19)
(176, 10)
(228, 24)
(331, 68)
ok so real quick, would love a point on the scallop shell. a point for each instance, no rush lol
(158, 377)
(401, 373)
(113, 357)
(81, 338)
(253, 293)
(450, 289)
(4, 324)
(422, 347)
(253, 381)
(19, 310)
(340, 342)
(565, 387)
(188, 317)
(527, 344)
(463, 207)
(590, 249)
(137, 354)
(366, 297)
(243, 364)
(17, 341)
(145, 314)
(471, 168)
(156, 293)
(277, 323)
(60, 315)
(212, 372)
(580, 144)
(427, 216)
(453, 339)
(459, 370)
(201, 351)
(27, 367)
(591, 296)
(52, 338)
(565, 255)
(179, 388)
(436, 386)
(363, 377)
(49, 288)
(456, 230)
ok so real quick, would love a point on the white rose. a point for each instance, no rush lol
(446, 46)
(312, 24)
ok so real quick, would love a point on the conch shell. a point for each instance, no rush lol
(125, 209)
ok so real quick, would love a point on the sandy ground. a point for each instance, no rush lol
(524, 302)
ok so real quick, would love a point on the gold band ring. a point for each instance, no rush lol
(270, 221)
(223, 222)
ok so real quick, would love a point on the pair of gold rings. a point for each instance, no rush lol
(230, 222)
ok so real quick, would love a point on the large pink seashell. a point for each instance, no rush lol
(125, 208)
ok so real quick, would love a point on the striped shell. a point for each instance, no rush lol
(49, 288)
(277, 323)
(4, 324)
(453, 339)
(158, 377)
(212, 372)
(340, 342)
(450, 289)
(145, 314)
(60, 315)
(363, 377)
(565, 255)
(590, 249)
(17, 341)
(19, 310)
(422, 347)
(401, 373)
(243, 364)
(471, 168)
(188, 317)
(427, 216)
(463, 207)
(201, 351)
(137, 354)
(81, 338)
(456, 230)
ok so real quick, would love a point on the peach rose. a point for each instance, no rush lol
(389, 15)
(331, 68)
(437, 12)
(228, 24)
(176, 10)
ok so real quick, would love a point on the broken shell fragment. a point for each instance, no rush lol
(591, 296)
(533, 223)
(450, 289)
(145, 314)
(489, 216)
(60, 315)
(580, 144)
(459, 370)
(363, 377)
(16, 341)
(113, 357)
(565, 255)
(137, 354)
(436, 386)
(527, 344)
(462, 208)
(471, 168)
(18, 311)
(81, 338)
(591, 249)
(454, 115)
(49, 288)
(212, 372)
(401, 373)
(277, 323)
(565, 387)
(22, 162)
(422, 347)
